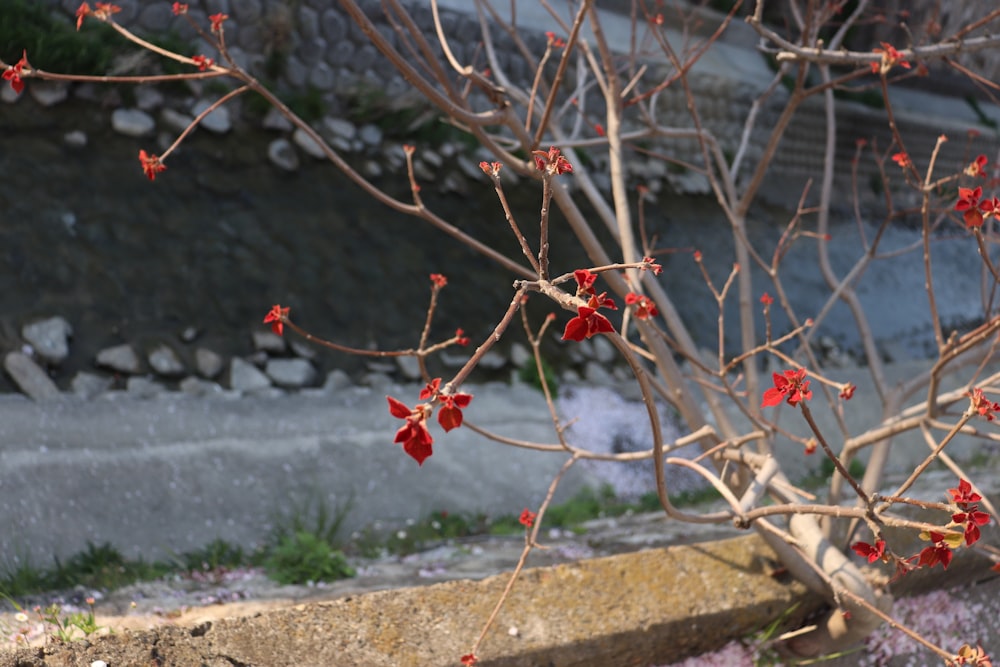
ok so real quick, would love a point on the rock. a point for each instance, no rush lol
(175, 120)
(409, 367)
(121, 358)
(454, 184)
(302, 349)
(371, 169)
(207, 362)
(198, 387)
(165, 361)
(49, 93)
(29, 377)
(493, 361)
(520, 355)
(268, 341)
(75, 139)
(189, 334)
(604, 351)
(244, 376)
(336, 380)
(596, 374)
(9, 95)
(371, 135)
(432, 158)
(217, 122)
(322, 77)
(132, 122)
(275, 120)
(282, 154)
(291, 373)
(384, 367)
(148, 98)
(306, 143)
(143, 387)
(340, 128)
(49, 338)
(87, 385)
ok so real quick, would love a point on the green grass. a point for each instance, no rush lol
(52, 44)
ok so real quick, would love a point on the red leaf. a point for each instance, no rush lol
(397, 408)
(450, 418)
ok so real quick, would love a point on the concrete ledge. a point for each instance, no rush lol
(643, 608)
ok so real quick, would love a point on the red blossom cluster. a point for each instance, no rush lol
(969, 514)
(202, 62)
(982, 405)
(644, 306)
(14, 72)
(151, 164)
(890, 58)
(101, 10)
(180, 8)
(276, 318)
(790, 386)
(869, 552)
(527, 518)
(414, 435)
(553, 162)
(975, 209)
(588, 322)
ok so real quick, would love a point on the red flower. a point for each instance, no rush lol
(766, 299)
(461, 338)
(890, 58)
(470, 660)
(972, 520)
(217, 20)
(982, 405)
(151, 165)
(414, 436)
(939, 553)
(791, 386)
(553, 162)
(973, 656)
(872, 553)
(491, 168)
(902, 159)
(584, 282)
(180, 8)
(276, 318)
(81, 12)
(13, 73)
(527, 518)
(587, 323)
(651, 264)
(977, 167)
(431, 389)
(964, 494)
(202, 62)
(104, 10)
(553, 41)
(450, 414)
(599, 129)
(644, 306)
(968, 201)
(438, 280)
(848, 391)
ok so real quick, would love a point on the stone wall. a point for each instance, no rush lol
(311, 45)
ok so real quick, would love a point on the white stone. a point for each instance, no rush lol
(282, 155)
(217, 122)
(49, 338)
(604, 351)
(88, 385)
(143, 387)
(371, 135)
(371, 168)
(339, 127)
(492, 361)
(199, 387)
(244, 376)
(8, 94)
(208, 363)
(275, 120)
(75, 139)
(49, 93)
(409, 367)
(336, 380)
(292, 373)
(29, 377)
(148, 98)
(520, 355)
(164, 360)
(132, 122)
(175, 120)
(121, 358)
(268, 341)
(306, 143)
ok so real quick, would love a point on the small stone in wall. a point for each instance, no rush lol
(87, 385)
(9, 95)
(49, 338)
(121, 358)
(520, 355)
(164, 360)
(282, 155)
(29, 377)
(244, 376)
(75, 139)
(132, 122)
(301, 348)
(336, 380)
(143, 387)
(218, 121)
(275, 120)
(199, 387)
(208, 363)
(371, 135)
(371, 169)
(306, 143)
(268, 341)
(291, 373)
(409, 367)
(148, 98)
(340, 128)
(175, 120)
(49, 93)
